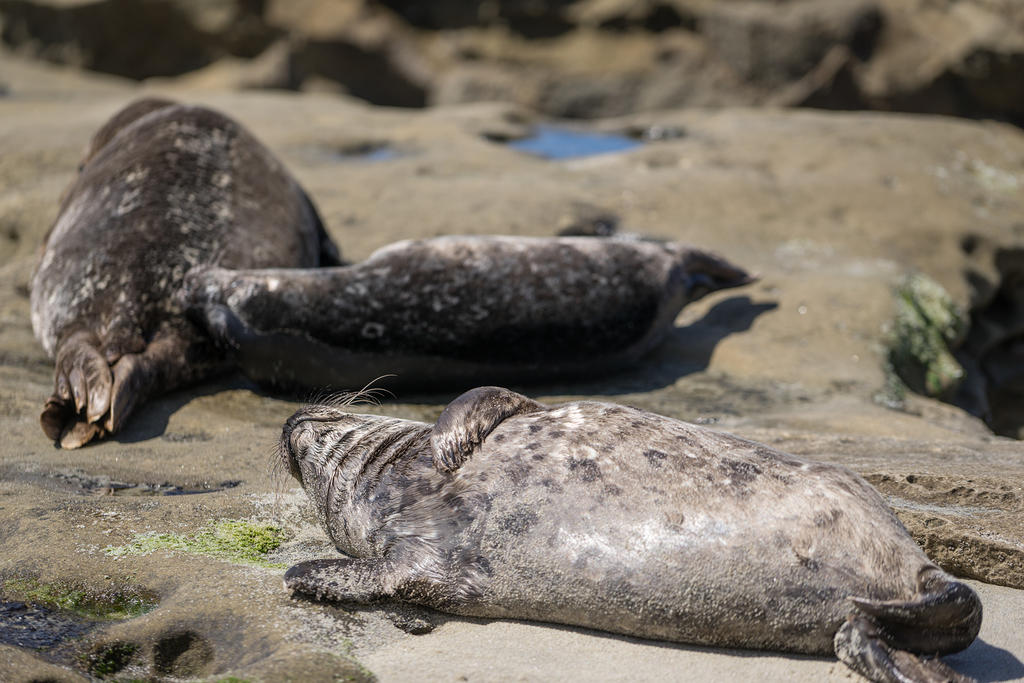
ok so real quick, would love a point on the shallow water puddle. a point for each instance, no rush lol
(44, 616)
(81, 482)
(380, 153)
(123, 489)
(554, 142)
(359, 152)
(39, 628)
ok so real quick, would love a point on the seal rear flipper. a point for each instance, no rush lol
(945, 618)
(55, 416)
(470, 418)
(861, 644)
(344, 579)
(81, 394)
(63, 425)
(706, 272)
(879, 637)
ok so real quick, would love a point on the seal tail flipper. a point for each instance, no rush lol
(345, 579)
(945, 618)
(707, 272)
(861, 645)
(470, 418)
(879, 638)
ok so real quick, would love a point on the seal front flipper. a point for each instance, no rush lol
(344, 579)
(879, 638)
(470, 418)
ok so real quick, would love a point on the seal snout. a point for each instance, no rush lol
(297, 436)
(303, 434)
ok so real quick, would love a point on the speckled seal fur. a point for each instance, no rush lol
(458, 311)
(164, 188)
(609, 517)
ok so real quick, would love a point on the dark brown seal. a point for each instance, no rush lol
(458, 311)
(608, 517)
(164, 188)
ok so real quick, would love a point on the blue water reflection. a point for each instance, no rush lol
(552, 142)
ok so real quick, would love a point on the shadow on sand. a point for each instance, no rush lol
(151, 419)
(987, 663)
(684, 351)
(984, 662)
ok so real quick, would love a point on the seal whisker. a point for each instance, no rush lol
(278, 472)
(368, 385)
(366, 395)
(327, 398)
(313, 397)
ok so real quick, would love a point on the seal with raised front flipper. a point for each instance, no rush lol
(458, 311)
(164, 188)
(598, 515)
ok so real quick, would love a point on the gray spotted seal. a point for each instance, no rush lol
(164, 188)
(599, 515)
(458, 311)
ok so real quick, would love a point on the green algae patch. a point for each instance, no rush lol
(124, 602)
(107, 660)
(233, 540)
(927, 325)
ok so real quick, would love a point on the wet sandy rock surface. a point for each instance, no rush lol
(159, 553)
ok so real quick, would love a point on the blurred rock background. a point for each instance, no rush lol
(564, 58)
